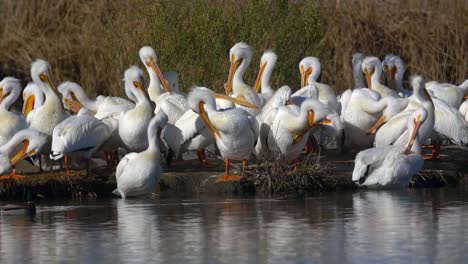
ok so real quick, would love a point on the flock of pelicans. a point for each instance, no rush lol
(386, 123)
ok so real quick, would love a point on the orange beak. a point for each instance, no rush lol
(232, 69)
(417, 125)
(28, 105)
(235, 100)
(377, 125)
(21, 153)
(154, 66)
(305, 75)
(258, 81)
(204, 117)
(369, 77)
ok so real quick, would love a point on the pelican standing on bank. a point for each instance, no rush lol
(234, 130)
(25, 143)
(138, 173)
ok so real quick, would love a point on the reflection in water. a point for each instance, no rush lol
(361, 227)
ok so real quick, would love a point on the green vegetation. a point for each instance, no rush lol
(93, 42)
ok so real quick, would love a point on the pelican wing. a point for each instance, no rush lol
(450, 123)
(464, 110)
(392, 130)
(369, 159)
(172, 137)
(190, 124)
(79, 133)
(123, 164)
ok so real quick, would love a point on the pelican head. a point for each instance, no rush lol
(133, 78)
(10, 86)
(149, 59)
(40, 73)
(69, 91)
(197, 99)
(310, 68)
(32, 97)
(32, 143)
(357, 58)
(268, 60)
(370, 66)
(393, 65)
(240, 54)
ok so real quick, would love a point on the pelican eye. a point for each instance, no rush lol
(137, 84)
(153, 59)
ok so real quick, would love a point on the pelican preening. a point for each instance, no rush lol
(392, 164)
(386, 123)
(25, 143)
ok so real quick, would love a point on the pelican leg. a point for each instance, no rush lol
(204, 163)
(435, 150)
(244, 166)
(12, 176)
(227, 176)
(67, 166)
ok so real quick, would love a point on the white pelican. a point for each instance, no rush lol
(310, 69)
(393, 164)
(158, 84)
(47, 116)
(449, 123)
(395, 68)
(290, 128)
(359, 116)
(450, 93)
(82, 134)
(134, 123)
(265, 119)
(372, 68)
(24, 143)
(106, 106)
(267, 64)
(394, 130)
(33, 98)
(174, 105)
(138, 173)
(390, 107)
(235, 130)
(10, 90)
(240, 56)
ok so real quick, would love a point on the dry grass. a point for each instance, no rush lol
(276, 176)
(93, 42)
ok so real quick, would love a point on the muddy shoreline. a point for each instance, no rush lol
(187, 177)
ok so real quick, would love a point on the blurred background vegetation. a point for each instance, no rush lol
(93, 42)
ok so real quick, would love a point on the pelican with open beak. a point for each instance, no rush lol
(234, 129)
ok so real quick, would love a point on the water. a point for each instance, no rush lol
(423, 226)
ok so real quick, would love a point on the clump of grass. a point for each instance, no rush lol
(277, 176)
